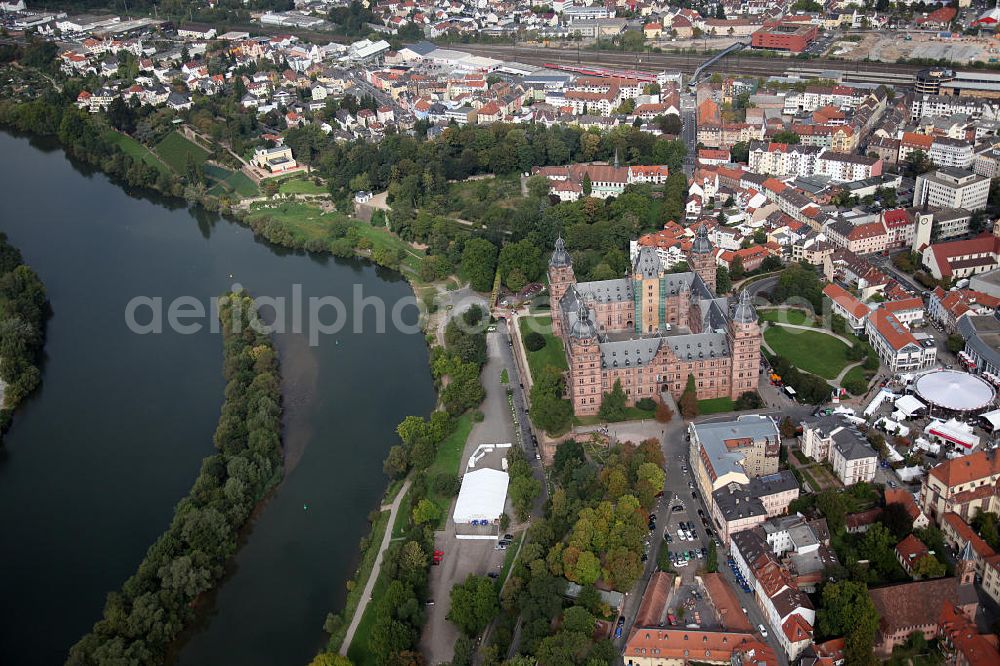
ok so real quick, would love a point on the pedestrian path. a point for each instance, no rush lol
(366, 596)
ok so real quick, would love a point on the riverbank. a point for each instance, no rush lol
(23, 315)
(338, 235)
(141, 621)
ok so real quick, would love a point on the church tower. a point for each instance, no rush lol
(965, 568)
(561, 278)
(744, 343)
(701, 258)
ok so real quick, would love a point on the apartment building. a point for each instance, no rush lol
(951, 187)
(897, 347)
(733, 452)
(845, 168)
(846, 305)
(949, 152)
(830, 439)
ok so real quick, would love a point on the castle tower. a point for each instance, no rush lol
(584, 383)
(561, 278)
(701, 258)
(744, 343)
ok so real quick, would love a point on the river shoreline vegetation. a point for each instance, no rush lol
(143, 620)
(390, 627)
(24, 311)
(505, 238)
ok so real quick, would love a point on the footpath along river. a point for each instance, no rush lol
(96, 461)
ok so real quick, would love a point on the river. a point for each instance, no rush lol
(97, 459)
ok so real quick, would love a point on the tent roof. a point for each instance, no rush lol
(482, 495)
(909, 405)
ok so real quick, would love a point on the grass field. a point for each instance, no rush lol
(552, 353)
(136, 150)
(225, 180)
(814, 352)
(781, 316)
(448, 461)
(300, 185)
(360, 578)
(508, 560)
(307, 222)
(631, 414)
(715, 405)
(381, 237)
(358, 652)
(174, 149)
(302, 221)
(858, 372)
(472, 199)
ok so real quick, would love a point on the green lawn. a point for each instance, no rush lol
(358, 652)
(138, 151)
(360, 578)
(552, 353)
(814, 352)
(631, 414)
(473, 199)
(448, 461)
(381, 237)
(174, 149)
(302, 221)
(796, 317)
(300, 185)
(225, 180)
(305, 222)
(715, 405)
(508, 560)
(402, 517)
(858, 372)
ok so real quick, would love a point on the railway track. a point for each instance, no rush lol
(687, 63)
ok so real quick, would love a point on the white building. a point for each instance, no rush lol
(950, 187)
(830, 439)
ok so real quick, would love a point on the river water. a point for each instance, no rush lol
(96, 461)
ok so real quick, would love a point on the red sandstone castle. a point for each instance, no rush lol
(652, 329)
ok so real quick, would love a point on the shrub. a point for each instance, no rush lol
(748, 400)
(646, 404)
(534, 341)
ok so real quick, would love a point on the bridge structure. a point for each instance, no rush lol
(734, 48)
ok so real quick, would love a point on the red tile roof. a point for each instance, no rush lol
(910, 550)
(797, 629)
(889, 328)
(973, 467)
(680, 644)
(967, 535)
(846, 300)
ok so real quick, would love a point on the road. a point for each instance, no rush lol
(366, 595)
(689, 131)
(738, 64)
(464, 557)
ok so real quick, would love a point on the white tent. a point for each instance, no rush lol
(880, 397)
(892, 427)
(908, 474)
(953, 432)
(482, 496)
(992, 419)
(909, 405)
(922, 444)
